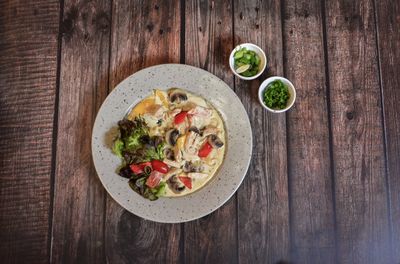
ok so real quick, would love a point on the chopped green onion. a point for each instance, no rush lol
(147, 170)
(244, 57)
(276, 95)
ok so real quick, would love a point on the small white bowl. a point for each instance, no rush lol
(290, 87)
(256, 49)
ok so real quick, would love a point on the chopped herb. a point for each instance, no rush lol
(247, 62)
(276, 95)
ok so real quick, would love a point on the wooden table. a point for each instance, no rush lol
(324, 182)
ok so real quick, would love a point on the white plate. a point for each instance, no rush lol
(238, 148)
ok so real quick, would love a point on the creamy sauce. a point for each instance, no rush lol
(159, 113)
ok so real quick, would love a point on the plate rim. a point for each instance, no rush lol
(222, 201)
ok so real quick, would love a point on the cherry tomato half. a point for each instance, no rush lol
(186, 181)
(205, 150)
(139, 168)
(179, 118)
(159, 166)
(154, 179)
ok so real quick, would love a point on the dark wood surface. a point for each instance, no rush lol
(28, 77)
(143, 33)
(324, 182)
(208, 31)
(78, 210)
(263, 208)
(310, 178)
(357, 134)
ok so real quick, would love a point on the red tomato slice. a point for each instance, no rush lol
(145, 164)
(154, 179)
(186, 181)
(159, 166)
(179, 118)
(205, 150)
(138, 168)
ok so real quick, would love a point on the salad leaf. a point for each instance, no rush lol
(159, 190)
(145, 153)
(118, 147)
(160, 150)
(128, 127)
(126, 172)
(139, 186)
(148, 194)
(131, 134)
(155, 153)
(135, 145)
(132, 142)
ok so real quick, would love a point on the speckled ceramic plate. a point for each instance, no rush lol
(238, 148)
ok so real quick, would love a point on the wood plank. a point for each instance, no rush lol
(359, 166)
(263, 213)
(144, 33)
(311, 202)
(388, 22)
(28, 69)
(79, 203)
(208, 42)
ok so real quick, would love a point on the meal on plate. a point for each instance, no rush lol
(171, 143)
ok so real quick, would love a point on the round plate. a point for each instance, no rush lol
(238, 147)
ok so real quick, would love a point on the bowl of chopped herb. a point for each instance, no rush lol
(247, 61)
(277, 94)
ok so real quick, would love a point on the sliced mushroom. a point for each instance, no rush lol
(171, 136)
(193, 166)
(176, 95)
(194, 129)
(214, 141)
(175, 185)
(169, 154)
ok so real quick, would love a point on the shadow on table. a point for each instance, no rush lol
(283, 262)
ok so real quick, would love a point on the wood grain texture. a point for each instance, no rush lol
(359, 167)
(311, 202)
(28, 66)
(144, 33)
(388, 22)
(356, 104)
(263, 213)
(208, 42)
(78, 216)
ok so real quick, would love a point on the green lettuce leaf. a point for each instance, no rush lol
(118, 147)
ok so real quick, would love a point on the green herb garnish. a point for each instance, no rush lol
(276, 95)
(247, 62)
